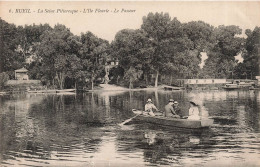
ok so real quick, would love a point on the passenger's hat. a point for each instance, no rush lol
(149, 100)
(193, 103)
(171, 100)
(175, 102)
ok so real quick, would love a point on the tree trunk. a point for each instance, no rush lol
(92, 84)
(92, 80)
(156, 98)
(1, 63)
(156, 79)
(130, 84)
(117, 79)
(60, 79)
(171, 80)
(146, 79)
(163, 79)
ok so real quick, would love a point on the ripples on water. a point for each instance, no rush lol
(83, 130)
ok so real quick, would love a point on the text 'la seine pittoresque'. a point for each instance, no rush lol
(73, 11)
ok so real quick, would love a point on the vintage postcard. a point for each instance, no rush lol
(109, 83)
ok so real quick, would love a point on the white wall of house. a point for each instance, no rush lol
(21, 76)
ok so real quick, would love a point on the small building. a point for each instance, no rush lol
(109, 65)
(21, 74)
(206, 81)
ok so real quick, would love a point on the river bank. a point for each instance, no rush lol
(108, 87)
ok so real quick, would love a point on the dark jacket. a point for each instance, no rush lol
(177, 110)
(169, 111)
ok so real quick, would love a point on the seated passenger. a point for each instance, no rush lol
(177, 108)
(169, 111)
(149, 106)
(193, 111)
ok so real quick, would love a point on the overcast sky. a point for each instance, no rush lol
(105, 25)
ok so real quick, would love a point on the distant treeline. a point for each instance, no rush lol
(163, 46)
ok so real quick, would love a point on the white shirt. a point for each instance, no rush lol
(150, 106)
(194, 113)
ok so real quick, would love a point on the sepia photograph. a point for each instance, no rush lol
(129, 83)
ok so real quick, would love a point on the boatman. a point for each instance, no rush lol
(169, 111)
(149, 106)
(176, 108)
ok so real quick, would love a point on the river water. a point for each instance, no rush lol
(83, 130)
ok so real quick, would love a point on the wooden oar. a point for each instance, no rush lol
(137, 113)
(128, 120)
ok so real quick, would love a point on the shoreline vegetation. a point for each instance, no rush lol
(161, 51)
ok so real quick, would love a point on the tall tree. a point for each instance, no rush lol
(221, 58)
(157, 27)
(58, 54)
(10, 58)
(28, 36)
(133, 49)
(251, 53)
(93, 53)
(201, 34)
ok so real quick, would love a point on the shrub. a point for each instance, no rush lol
(4, 77)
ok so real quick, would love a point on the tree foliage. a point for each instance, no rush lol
(161, 46)
(10, 59)
(251, 53)
(133, 49)
(221, 58)
(58, 56)
(93, 55)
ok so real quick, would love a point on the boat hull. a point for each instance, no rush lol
(176, 122)
(53, 91)
(230, 88)
(236, 86)
(173, 88)
(66, 90)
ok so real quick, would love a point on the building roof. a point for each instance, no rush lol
(21, 70)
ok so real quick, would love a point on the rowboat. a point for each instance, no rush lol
(66, 90)
(173, 88)
(41, 91)
(173, 122)
(35, 91)
(231, 86)
(238, 85)
(253, 88)
(66, 93)
(53, 91)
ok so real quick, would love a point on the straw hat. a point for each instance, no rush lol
(193, 103)
(149, 100)
(171, 100)
(196, 100)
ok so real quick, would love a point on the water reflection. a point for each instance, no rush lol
(83, 130)
(150, 136)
